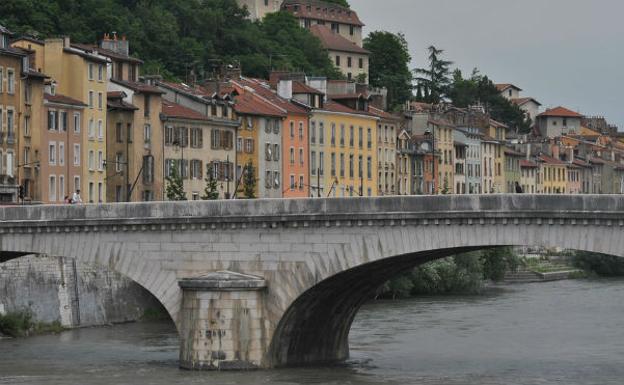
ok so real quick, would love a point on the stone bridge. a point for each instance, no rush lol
(269, 283)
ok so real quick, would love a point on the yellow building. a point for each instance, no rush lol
(82, 75)
(343, 152)
(553, 175)
(497, 131)
(442, 131)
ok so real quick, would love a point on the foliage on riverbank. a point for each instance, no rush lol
(599, 264)
(459, 274)
(22, 324)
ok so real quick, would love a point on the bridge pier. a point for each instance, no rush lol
(221, 324)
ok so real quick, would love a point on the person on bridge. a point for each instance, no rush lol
(518, 188)
(76, 199)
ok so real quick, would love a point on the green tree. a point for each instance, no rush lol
(432, 82)
(497, 261)
(249, 181)
(389, 66)
(211, 191)
(600, 264)
(480, 90)
(175, 185)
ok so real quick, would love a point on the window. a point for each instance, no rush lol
(100, 191)
(361, 63)
(77, 122)
(239, 144)
(351, 30)
(369, 138)
(249, 146)
(342, 135)
(312, 132)
(51, 120)
(9, 163)
(90, 99)
(349, 61)
(100, 100)
(321, 163)
(293, 186)
(321, 133)
(119, 162)
(10, 128)
(61, 186)
(100, 72)
(360, 167)
(61, 155)
(52, 153)
(301, 182)
(26, 160)
(333, 164)
(90, 72)
(276, 179)
(91, 128)
(301, 158)
(342, 166)
(129, 132)
(351, 135)
(147, 134)
(1, 79)
(313, 162)
(215, 139)
(52, 189)
(196, 169)
(337, 60)
(146, 105)
(119, 132)
(351, 166)
(292, 155)
(91, 160)
(100, 160)
(268, 151)
(76, 154)
(197, 137)
(10, 81)
(91, 186)
(369, 167)
(292, 130)
(100, 129)
(268, 183)
(300, 130)
(76, 183)
(360, 137)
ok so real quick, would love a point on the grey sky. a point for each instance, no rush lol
(562, 52)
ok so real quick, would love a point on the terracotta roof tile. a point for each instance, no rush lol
(62, 99)
(381, 113)
(334, 42)
(262, 88)
(503, 86)
(550, 160)
(528, 164)
(139, 87)
(523, 101)
(247, 103)
(319, 10)
(174, 110)
(561, 112)
(302, 88)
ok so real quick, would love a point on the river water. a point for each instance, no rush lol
(566, 332)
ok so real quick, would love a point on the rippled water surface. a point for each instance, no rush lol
(567, 332)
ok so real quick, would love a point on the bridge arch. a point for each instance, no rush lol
(312, 261)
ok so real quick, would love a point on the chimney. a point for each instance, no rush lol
(571, 152)
(285, 89)
(555, 150)
(121, 47)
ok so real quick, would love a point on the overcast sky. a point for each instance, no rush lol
(561, 52)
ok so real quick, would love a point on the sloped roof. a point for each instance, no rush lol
(528, 164)
(62, 99)
(503, 86)
(247, 103)
(512, 152)
(550, 160)
(302, 88)
(114, 100)
(523, 101)
(174, 110)
(332, 106)
(334, 42)
(262, 88)
(106, 52)
(138, 87)
(319, 10)
(561, 112)
(381, 113)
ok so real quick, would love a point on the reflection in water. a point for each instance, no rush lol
(568, 332)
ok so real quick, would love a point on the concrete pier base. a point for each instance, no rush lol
(221, 322)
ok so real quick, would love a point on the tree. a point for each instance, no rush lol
(175, 185)
(433, 81)
(211, 191)
(496, 262)
(480, 90)
(249, 181)
(389, 66)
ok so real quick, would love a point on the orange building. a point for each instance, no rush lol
(295, 170)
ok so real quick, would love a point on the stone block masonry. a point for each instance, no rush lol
(74, 294)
